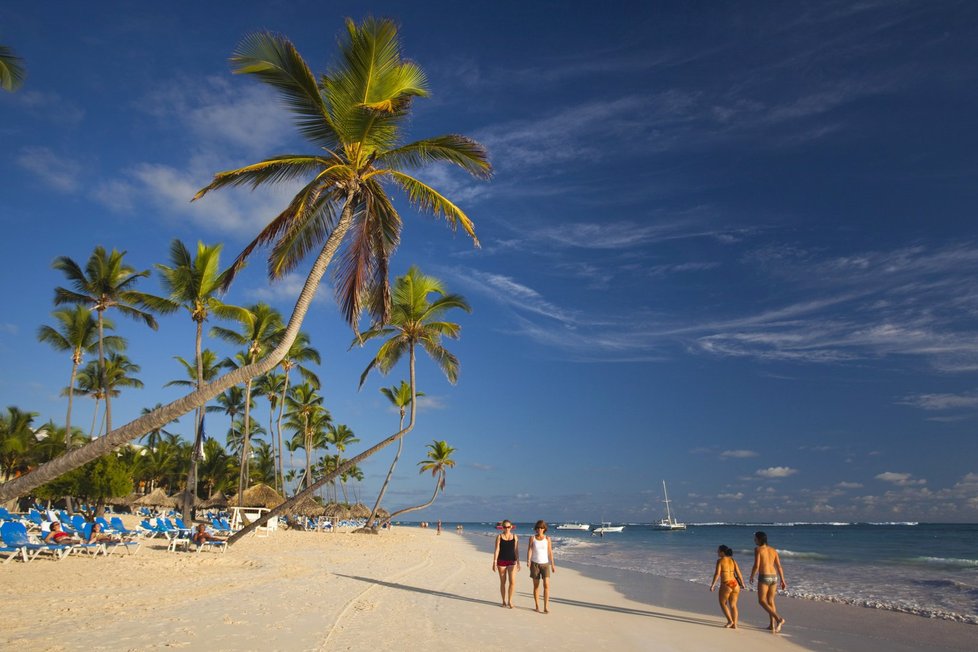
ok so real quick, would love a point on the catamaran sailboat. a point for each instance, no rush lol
(668, 523)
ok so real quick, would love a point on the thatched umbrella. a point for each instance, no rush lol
(121, 501)
(261, 495)
(335, 510)
(307, 507)
(382, 513)
(217, 500)
(360, 511)
(157, 498)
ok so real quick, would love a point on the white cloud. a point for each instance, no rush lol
(942, 401)
(10, 329)
(901, 479)
(776, 472)
(62, 174)
(287, 289)
(737, 496)
(849, 485)
(738, 454)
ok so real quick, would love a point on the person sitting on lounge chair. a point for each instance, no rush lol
(98, 536)
(59, 536)
(201, 535)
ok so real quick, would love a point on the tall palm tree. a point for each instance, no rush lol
(12, 71)
(17, 441)
(78, 333)
(299, 353)
(193, 282)
(340, 437)
(264, 462)
(307, 416)
(214, 466)
(400, 397)
(271, 386)
(354, 116)
(106, 282)
(438, 461)
(261, 328)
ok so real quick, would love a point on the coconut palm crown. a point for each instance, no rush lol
(354, 115)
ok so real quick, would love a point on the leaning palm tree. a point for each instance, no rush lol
(78, 333)
(12, 71)
(400, 396)
(261, 328)
(193, 282)
(106, 282)
(354, 115)
(438, 461)
(154, 436)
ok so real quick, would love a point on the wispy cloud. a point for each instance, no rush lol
(901, 479)
(738, 454)
(942, 401)
(59, 172)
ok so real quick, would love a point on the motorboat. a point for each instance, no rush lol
(669, 522)
(606, 526)
(574, 526)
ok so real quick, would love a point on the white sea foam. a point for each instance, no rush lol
(943, 561)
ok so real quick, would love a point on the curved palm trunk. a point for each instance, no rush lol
(160, 417)
(387, 480)
(91, 432)
(191, 490)
(307, 444)
(71, 395)
(438, 486)
(329, 476)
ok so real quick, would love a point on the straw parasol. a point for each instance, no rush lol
(217, 500)
(261, 495)
(360, 511)
(307, 507)
(157, 498)
(121, 501)
(335, 510)
(382, 513)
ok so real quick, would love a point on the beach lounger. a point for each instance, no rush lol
(118, 526)
(131, 547)
(15, 535)
(10, 552)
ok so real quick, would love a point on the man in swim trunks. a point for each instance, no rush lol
(767, 568)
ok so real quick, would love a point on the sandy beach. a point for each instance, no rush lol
(409, 588)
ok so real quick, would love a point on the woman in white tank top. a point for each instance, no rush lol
(540, 559)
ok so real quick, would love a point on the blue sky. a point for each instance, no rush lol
(728, 246)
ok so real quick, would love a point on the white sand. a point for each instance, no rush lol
(405, 589)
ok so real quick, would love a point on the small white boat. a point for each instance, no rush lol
(574, 526)
(668, 523)
(608, 527)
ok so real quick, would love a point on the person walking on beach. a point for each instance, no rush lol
(767, 567)
(540, 559)
(505, 560)
(731, 581)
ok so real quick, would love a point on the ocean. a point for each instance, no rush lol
(927, 569)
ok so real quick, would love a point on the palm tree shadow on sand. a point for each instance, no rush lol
(705, 622)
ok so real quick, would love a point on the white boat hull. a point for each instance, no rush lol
(614, 528)
(574, 526)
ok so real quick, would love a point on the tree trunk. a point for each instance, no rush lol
(419, 507)
(71, 392)
(387, 480)
(191, 489)
(278, 427)
(245, 441)
(198, 398)
(327, 477)
(91, 433)
(104, 380)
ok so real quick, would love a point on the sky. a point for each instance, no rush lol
(728, 246)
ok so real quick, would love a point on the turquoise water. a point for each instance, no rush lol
(925, 569)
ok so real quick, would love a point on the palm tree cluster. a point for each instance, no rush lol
(353, 115)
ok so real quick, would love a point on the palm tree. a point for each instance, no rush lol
(261, 328)
(354, 116)
(416, 321)
(308, 417)
(271, 386)
(104, 383)
(11, 69)
(299, 353)
(193, 282)
(341, 436)
(231, 402)
(264, 462)
(78, 333)
(214, 465)
(438, 461)
(17, 441)
(106, 282)
(400, 396)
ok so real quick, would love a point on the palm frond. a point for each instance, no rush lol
(275, 61)
(450, 148)
(426, 198)
(285, 167)
(12, 72)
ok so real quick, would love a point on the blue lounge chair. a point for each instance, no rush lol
(120, 528)
(110, 546)
(15, 535)
(10, 552)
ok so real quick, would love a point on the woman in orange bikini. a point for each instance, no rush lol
(504, 560)
(731, 581)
